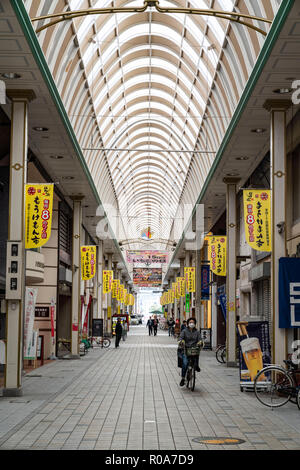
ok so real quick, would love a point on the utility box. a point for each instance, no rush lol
(14, 270)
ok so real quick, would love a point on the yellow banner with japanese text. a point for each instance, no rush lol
(190, 279)
(107, 281)
(38, 214)
(217, 248)
(88, 262)
(257, 217)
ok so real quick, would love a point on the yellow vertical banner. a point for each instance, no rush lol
(217, 248)
(114, 289)
(88, 262)
(125, 296)
(107, 281)
(120, 293)
(181, 286)
(257, 217)
(38, 214)
(190, 279)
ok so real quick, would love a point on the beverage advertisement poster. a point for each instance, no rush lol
(254, 350)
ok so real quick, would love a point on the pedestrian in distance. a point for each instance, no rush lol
(183, 326)
(118, 332)
(171, 324)
(155, 325)
(149, 326)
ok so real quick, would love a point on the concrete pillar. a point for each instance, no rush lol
(278, 109)
(231, 270)
(15, 307)
(76, 274)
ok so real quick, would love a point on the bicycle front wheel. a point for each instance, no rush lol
(273, 386)
(188, 377)
(298, 399)
(106, 343)
(220, 354)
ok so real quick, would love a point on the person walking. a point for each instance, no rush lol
(118, 332)
(177, 328)
(149, 326)
(171, 324)
(155, 325)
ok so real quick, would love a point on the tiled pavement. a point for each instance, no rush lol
(129, 398)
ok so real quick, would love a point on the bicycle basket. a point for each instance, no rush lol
(193, 351)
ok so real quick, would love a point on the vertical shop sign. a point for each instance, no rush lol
(29, 335)
(257, 217)
(217, 255)
(38, 214)
(88, 262)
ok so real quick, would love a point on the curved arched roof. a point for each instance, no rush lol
(158, 85)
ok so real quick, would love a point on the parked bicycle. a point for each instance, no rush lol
(221, 354)
(274, 386)
(101, 342)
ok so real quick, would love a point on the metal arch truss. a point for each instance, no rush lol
(230, 16)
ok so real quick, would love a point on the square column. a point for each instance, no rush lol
(278, 109)
(16, 229)
(76, 274)
(231, 226)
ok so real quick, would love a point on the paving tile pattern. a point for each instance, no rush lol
(129, 398)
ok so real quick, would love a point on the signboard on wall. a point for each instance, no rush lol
(289, 293)
(146, 277)
(147, 257)
(42, 312)
(97, 327)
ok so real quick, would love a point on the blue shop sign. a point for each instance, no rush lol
(289, 293)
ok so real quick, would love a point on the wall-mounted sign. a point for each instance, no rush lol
(289, 293)
(147, 257)
(38, 214)
(146, 277)
(42, 312)
(205, 280)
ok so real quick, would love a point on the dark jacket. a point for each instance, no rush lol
(119, 329)
(191, 337)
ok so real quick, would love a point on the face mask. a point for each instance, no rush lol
(191, 325)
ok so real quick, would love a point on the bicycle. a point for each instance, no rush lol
(298, 399)
(221, 354)
(192, 353)
(101, 341)
(274, 386)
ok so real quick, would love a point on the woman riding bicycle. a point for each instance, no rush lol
(189, 337)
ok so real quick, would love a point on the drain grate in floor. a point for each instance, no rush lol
(219, 441)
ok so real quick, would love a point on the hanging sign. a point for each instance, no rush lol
(181, 286)
(38, 214)
(88, 262)
(217, 255)
(257, 216)
(114, 290)
(121, 293)
(107, 281)
(190, 279)
(205, 279)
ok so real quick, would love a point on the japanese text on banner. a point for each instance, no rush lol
(38, 214)
(257, 216)
(88, 262)
(217, 248)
